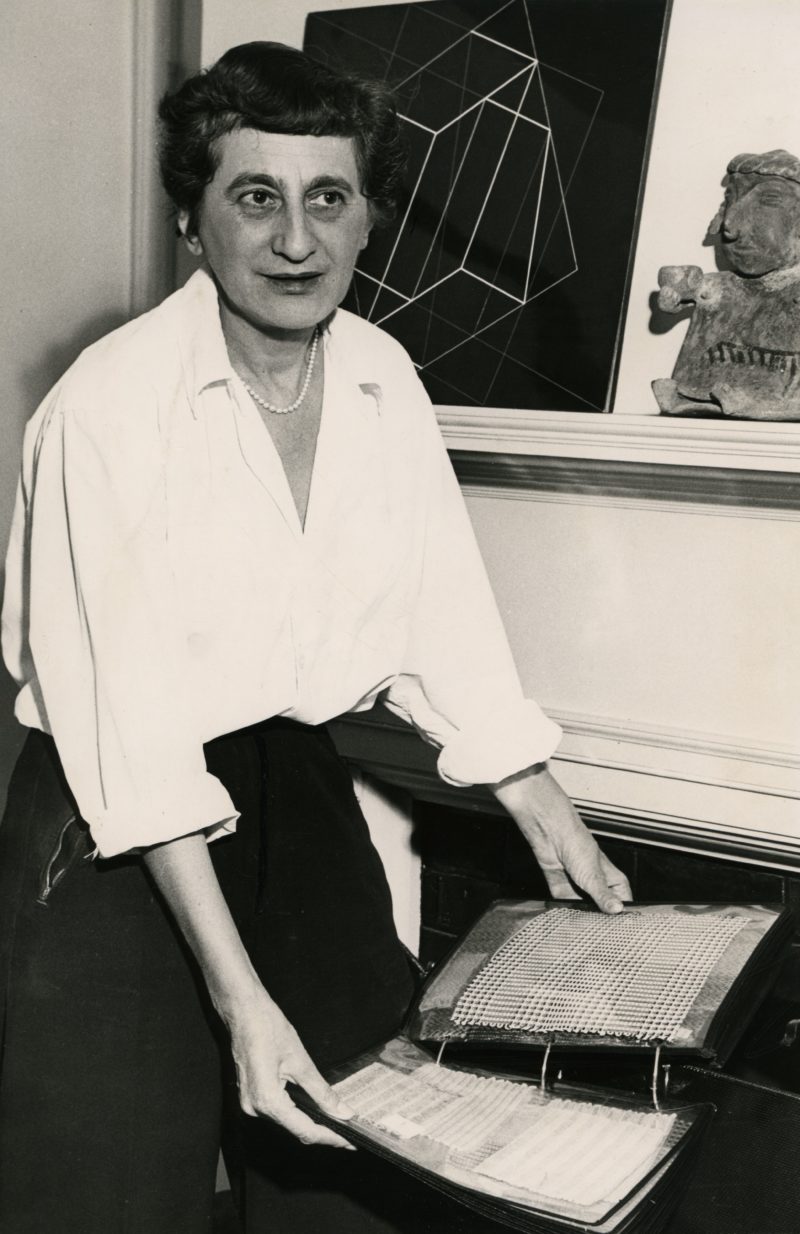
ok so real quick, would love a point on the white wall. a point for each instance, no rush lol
(238, 21)
(651, 614)
(65, 214)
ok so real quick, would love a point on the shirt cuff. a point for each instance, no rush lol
(499, 745)
(202, 805)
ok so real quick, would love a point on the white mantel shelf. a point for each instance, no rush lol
(738, 444)
(743, 463)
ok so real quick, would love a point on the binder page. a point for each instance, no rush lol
(572, 1157)
(653, 974)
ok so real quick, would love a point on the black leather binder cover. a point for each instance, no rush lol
(747, 1170)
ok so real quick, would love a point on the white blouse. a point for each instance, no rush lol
(160, 590)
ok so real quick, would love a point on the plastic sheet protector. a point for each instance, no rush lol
(576, 1158)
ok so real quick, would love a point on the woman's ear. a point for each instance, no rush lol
(193, 241)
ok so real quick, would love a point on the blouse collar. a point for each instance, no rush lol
(205, 356)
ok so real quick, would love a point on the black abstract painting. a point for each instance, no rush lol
(506, 272)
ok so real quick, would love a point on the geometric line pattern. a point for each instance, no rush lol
(507, 271)
(478, 109)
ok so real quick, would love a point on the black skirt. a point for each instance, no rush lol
(110, 1088)
(307, 889)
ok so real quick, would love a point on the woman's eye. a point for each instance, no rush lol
(331, 201)
(257, 197)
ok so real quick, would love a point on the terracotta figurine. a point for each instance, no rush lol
(741, 354)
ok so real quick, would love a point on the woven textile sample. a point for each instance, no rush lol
(635, 975)
(563, 1150)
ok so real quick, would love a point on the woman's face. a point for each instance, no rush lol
(281, 226)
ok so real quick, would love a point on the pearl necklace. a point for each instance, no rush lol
(282, 411)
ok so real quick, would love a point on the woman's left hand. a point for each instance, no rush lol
(565, 850)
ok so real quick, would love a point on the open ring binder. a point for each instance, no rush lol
(538, 1153)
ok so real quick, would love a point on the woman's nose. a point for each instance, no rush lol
(292, 237)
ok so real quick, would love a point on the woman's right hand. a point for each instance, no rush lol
(266, 1049)
(269, 1054)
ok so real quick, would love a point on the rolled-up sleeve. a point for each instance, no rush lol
(459, 685)
(89, 619)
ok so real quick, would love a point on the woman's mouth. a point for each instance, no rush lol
(294, 284)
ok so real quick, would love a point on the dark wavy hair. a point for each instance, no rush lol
(278, 89)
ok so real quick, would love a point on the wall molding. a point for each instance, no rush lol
(704, 793)
(709, 445)
(712, 757)
(656, 485)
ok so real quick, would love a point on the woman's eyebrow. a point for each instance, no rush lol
(323, 181)
(330, 182)
(252, 177)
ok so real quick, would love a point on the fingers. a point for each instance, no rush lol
(616, 880)
(560, 841)
(277, 1105)
(558, 883)
(286, 1113)
(263, 1070)
(593, 874)
(592, 880)
(605, 897)
(575, 858)
(306, 1075)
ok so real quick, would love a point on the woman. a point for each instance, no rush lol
(236, 520)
